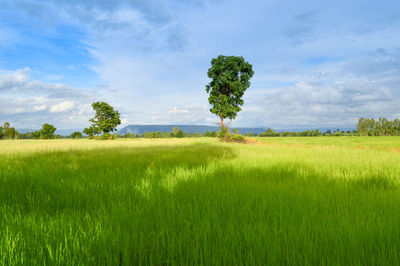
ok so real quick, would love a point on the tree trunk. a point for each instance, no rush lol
(222, 121)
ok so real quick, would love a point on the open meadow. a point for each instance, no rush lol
(325, 200)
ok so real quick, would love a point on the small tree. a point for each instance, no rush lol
(76, 135)
(175, 130)
(90, 132)
(105, 120)
(47, 131)
(230, 77)
(178, 133)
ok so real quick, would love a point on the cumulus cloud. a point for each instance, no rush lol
(62, 107)
(39, 107)
(29, 103)
(189, 114)
(311, 103)
(13, 80)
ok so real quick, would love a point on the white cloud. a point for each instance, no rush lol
(62, 107)
(39, 107)
(30, 103)
(14, 79)
(313, 105)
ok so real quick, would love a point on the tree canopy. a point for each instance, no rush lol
(105, 120)
(230, 77)
(380, 127)
(47, 131)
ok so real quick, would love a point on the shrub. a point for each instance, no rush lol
(236, 138)
(107, 136)
(76, 135)
(224, 135)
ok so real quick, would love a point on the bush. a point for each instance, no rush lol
(224, 135)
(76, 135)
(236, 138)
(107, 136)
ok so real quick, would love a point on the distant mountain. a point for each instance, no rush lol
(139, 129)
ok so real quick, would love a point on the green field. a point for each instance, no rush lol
(328, 200)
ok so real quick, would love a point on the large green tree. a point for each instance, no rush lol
(230, 77)
(47, 131)
(105, 120)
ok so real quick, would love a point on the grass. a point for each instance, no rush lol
(198, 201)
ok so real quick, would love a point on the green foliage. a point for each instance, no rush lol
(76, 135)
(306, 133)
(310, 133)
(47, 132)
(106, 136)
(235, 138)
(230, 77)
(105, 120)
(175, 133)
(36, 134)
(380, 127)
(8, 132)
(210, 134)
(130, 136)
(178, 133)
(90, 132)
(269, 133)
(224, 135)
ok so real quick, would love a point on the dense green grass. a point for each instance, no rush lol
(290, 201)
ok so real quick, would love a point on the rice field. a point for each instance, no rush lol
(279, 201)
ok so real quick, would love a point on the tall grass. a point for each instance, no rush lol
(199, 202)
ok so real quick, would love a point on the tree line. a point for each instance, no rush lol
(365, 127)
(380, 127)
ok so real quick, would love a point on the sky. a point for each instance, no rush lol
(316, 63)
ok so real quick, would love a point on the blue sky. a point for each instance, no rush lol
(316, 63)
